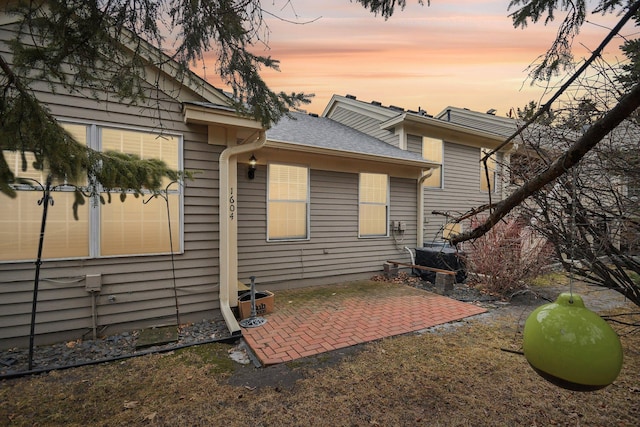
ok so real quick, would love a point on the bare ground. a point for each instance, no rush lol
(454, 375)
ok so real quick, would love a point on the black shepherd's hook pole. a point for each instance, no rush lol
(45, 201)
(165, 196)
(173, 266)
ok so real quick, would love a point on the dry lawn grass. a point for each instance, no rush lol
(450, 377)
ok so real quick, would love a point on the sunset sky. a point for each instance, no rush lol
(459, 53)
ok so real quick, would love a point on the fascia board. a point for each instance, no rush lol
(349, 154)
(444, 130)
(331, 104)
(212, 115)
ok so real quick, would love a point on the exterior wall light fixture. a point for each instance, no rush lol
(252, 166)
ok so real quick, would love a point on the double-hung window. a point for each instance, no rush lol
(129, 227)
(373, 201)
(288, 202)
(432, 151)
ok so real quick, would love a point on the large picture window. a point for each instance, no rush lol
(288, 207)
(373, 205)
(117, 228)
(432, 151)
(133, 227)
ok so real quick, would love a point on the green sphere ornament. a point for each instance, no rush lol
(571, 346)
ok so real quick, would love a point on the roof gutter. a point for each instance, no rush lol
(229, 226)
(349, 154)
(443, 127)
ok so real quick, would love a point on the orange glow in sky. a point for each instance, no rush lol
(451, 53)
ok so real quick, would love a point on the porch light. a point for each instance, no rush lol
(252, 166)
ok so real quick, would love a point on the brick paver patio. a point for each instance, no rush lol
(306, 322)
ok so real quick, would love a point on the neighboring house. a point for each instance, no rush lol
(330, 200)
(454, 139)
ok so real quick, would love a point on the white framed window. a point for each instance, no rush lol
(288, 202)
(488, 177)
(373, 205)
(118, 228)
(432, 150)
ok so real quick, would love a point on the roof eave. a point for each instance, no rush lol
(217, 115)
(429, 122)
(420, 164)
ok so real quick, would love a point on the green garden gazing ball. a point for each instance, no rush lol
(571, 346)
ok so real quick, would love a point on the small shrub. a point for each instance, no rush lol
(504, 259)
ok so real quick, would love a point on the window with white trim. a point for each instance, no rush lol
(432, 150)
(373, 204)
(288, 202)
(129, 227)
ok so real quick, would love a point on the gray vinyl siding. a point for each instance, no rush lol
(461, 167)
(461, 190)
(364, 124)
(414, 144)
(136, 290)
(461, 174)
(334, 252)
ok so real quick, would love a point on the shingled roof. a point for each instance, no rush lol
(322, 132)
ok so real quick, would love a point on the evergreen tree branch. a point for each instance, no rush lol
(27, 127)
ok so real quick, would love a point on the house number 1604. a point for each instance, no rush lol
(232, 205)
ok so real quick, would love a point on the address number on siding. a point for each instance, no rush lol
(232, 205)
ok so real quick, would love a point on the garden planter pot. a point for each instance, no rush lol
(264, 304)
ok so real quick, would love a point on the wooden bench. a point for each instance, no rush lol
(395, 264)
(444, 278)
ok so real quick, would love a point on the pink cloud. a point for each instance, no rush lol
(465, 54)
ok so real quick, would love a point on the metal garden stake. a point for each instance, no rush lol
(253, 321)
(45, 201)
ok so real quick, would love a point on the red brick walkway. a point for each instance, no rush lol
(339, 316)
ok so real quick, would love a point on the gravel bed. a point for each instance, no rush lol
(16, 360)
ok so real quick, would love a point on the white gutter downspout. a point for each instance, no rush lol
(229, 227)
(420, 219)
